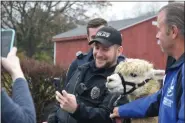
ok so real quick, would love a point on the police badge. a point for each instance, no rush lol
(95, 92)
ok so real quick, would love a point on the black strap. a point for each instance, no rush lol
(134, 86)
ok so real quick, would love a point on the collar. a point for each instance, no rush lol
(178, 63)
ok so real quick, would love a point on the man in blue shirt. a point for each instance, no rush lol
(167, 103)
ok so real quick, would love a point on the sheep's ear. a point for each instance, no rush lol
(158, 74)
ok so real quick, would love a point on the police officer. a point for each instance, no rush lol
(92, 27)
(85, 98)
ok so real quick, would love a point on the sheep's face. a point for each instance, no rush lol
(134, 71)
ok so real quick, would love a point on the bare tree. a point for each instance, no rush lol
(36, 22)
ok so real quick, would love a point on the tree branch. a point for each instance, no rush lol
(55, 4)
(6, 23)
(7, 11)
(34, 9)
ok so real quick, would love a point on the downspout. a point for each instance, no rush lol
(54, 60)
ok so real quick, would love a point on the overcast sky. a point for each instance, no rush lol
(121, 10)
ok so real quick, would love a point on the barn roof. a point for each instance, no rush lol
(80, 31)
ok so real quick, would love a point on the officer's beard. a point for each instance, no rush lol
(109, 64)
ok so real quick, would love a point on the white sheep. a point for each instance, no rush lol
(143, 77)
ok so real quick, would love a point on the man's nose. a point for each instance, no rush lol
(157, 36)
(99, 53)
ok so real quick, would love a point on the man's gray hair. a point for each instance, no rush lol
(175, 16)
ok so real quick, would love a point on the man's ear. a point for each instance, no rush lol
(175, 31)
(158, 74)
(120, 50)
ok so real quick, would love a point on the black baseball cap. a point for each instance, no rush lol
(107, 36)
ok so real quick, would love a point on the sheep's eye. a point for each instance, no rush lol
(133, 74)
(110, 80)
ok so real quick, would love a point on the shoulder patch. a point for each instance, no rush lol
(79, 54)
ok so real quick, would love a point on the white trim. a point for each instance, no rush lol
(137, 23)
(154, 23)
(54, 60)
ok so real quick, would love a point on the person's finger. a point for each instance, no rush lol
(113, 115)
(3, 60)
(65, 94)
(61, 106)
(12, 52)
(58, 99)
(58, 94)
(62, 98)
(70, 95)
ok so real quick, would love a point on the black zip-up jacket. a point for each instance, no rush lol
(95, 103)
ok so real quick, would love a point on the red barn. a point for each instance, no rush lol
(139, 41)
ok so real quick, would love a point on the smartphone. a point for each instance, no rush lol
(57, 84)
(7, 41)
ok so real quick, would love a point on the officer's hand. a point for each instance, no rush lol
(12, 64)
(67, 101)
(115, 113)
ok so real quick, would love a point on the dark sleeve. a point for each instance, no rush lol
(71, 70)
(52, 118)
(95, 115)
(19, 109)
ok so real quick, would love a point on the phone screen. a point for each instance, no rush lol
(57, 84)
(7, 40)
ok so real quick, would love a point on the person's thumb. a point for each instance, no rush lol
(13, 51)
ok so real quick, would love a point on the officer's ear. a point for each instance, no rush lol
(119, 49)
